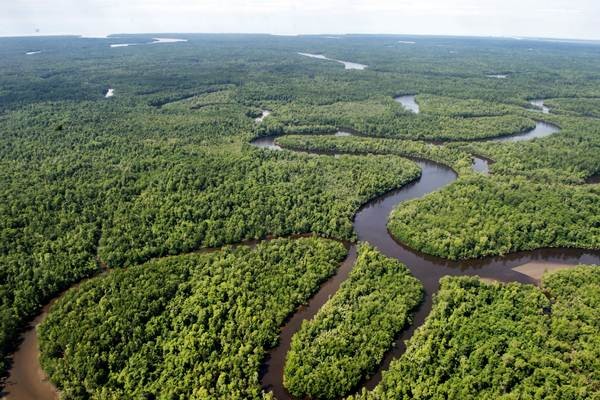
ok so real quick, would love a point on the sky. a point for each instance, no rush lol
(576, 19)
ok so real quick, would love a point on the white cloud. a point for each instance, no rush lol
(554, 18)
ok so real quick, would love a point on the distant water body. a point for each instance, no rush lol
(409, 103)
(155, 41)
(540, 106)
(347, 64)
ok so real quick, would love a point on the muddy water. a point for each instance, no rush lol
(27, 380)
(370, 224)
(272, 369)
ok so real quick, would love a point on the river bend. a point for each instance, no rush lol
(370, 225)
(28, 382)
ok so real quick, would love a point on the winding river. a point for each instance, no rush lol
(542, 129)
(370, 224)
(27, 381)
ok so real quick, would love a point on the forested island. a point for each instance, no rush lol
(182, 202)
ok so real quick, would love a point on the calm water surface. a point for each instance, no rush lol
(370, 224)
(539, 104)
(347, 64)
(542, 129)
(408, 102)
(27, 381)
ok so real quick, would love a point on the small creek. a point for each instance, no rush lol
(540, 106)
(264, 114)
(542, 129)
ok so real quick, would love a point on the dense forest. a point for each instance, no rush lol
(504, 341)
(570, 157)
(346, 340)
(246, 197)
(164, 167)
(456, 159)
(193, 326)
(588, 107)
(386, 118)
(478, 217)
(77, 191)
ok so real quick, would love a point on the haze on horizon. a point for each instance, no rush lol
(576, 19)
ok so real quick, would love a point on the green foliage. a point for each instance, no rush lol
(153, 182)
(423, 127)
(576, 106)
(348, 337)
(569, 156)
(477, 216)
(220, 199)
(458, 160)
(493, 341)
(386, 118)
(465, 108)
(163, 166)
(193, 326)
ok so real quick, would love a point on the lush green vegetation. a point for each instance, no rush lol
(193, 326)
(568, 157)
(247, 197)
(460, 161)
(588, 107)
(163, 167)
(75, 187)
(477, 216)
(387, 118)
(347, 339)
(493, 341)
(465, 108)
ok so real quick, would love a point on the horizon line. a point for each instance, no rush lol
(283, 34)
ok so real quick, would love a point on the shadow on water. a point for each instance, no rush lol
(593, 179)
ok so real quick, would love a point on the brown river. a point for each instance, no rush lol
(370, 224)
(28, 382)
